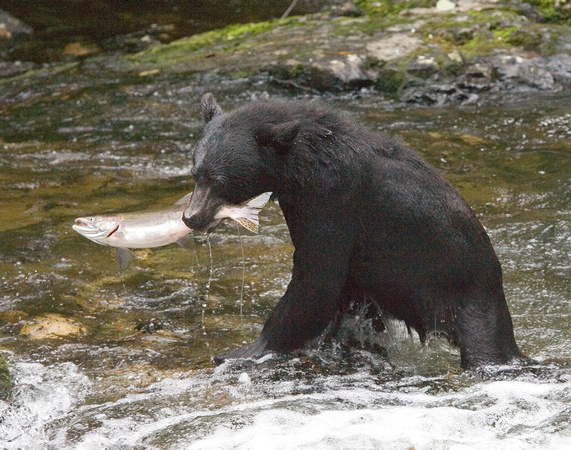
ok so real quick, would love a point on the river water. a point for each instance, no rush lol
(104, 359)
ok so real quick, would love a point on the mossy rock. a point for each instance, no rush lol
(286, 70)
(526, 39)
(5, 378)
(390, 80)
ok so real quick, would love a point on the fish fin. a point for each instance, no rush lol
(124, 258)
(250, 219)
(184, 200)
(186, 242)
(259, 202)
(251, 223)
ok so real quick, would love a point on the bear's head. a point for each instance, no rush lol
(236, 159)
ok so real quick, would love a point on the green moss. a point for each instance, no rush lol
(504, 33)
(526, 39)
(390, 80)
(494, 17)
(251, 29)
(478, 33)
(472, 33)
(552, 11)
(482, 44)
(226, 39)
(382, 14)
(371, 62)
(386, 7)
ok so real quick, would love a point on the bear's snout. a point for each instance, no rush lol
(192, 220)
(200, 212)
(196, 219)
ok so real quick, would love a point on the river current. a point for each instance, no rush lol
(104, 359)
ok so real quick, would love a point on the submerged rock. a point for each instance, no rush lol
(52, 326)
(12, 29)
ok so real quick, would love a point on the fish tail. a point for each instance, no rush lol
(259, 202)
(251, 224)
(249, 217)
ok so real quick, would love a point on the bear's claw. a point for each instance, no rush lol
(255, 350)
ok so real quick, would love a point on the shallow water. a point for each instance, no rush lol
(134, 369)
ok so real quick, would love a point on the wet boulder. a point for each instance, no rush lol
(560, 68)
(519, 72)
(322, 75)
(422, 67)
(52, 326)
(12, 32)
(12, 29)
(478, 76)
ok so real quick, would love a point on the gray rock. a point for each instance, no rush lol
(337, 74)
(478, 76)
(560, 67)
(12, 29)
(393, 47)
(422, 66)
(419, 96)
(348, 70)
(9, 69)
(520, 72)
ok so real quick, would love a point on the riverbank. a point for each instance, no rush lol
(416, 55)
(420, 55)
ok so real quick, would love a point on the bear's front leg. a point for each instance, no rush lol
(314, 295)
(256, 349)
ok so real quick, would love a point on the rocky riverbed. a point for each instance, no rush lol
(420, 52)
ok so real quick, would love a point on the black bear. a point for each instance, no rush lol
(370, 220)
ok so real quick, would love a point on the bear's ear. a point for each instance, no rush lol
(279, 136)
(210, 108)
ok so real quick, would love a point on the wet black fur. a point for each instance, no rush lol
(369, 219)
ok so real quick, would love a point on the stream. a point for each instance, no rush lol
(104, 359)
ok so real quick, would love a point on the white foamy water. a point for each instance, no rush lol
(41, 395)
(243, 409)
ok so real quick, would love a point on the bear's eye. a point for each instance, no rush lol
(219, 181)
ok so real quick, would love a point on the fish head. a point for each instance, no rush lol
(97, 228)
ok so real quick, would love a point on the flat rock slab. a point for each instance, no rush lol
(393, 47)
